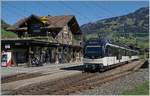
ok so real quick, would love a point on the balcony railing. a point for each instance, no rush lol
(75, 42)
(39, 38)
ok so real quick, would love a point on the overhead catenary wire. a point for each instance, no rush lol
(95, 12)
(80, 14)
(87, 5)
(22, 10)
(75, 11)
(124, 25)
(52, 10)
(107, 11)
(15, 12)
(48, 7)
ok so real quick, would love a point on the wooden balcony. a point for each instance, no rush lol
(74, 42)
(39, 38)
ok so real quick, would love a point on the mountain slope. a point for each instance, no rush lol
(6, 34)
(124, 28)
(133, 22)
(4, 25)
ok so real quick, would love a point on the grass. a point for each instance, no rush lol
(142, 89)
(7, 34)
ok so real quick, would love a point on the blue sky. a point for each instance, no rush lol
(85, 12)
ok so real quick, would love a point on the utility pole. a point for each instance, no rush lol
(124, 34)
(135, 40)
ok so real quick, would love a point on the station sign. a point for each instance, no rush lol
(7, 46)
(17, 43)
(44, 19)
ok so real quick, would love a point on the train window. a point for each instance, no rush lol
(109, 51)
(127, 52)
(106, 51)
(116, 52)
(130, 53)
(121, 52)
(124, 52)
(103, 51)
(135, 53)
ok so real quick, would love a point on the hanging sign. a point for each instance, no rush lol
(44, 19)
(7, 46)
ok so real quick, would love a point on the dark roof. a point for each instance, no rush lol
(97, 41)
(52, 22)
(59, 21)
(22, 21)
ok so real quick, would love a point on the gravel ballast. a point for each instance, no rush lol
(117, 86)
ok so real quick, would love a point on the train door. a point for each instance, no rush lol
(120, 54)
(106, 52)
(109, 58)
(116, 55)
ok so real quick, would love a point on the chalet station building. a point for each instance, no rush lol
(46, 39)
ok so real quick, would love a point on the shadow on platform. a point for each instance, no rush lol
(78, 68)
(145, 65)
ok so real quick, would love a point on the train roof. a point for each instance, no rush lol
(104, 42)
(97, 41)
(129, 49)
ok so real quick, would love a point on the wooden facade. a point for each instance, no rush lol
(50, 39)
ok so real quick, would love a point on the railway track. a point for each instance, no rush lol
(79, 82)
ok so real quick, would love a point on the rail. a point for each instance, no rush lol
(79, 82)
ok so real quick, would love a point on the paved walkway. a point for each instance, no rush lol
(53, 72)
(17, 70)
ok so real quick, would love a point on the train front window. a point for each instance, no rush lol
(93, 52)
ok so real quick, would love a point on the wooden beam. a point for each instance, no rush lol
(29, 57)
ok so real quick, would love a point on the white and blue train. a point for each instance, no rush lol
(102, 54)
